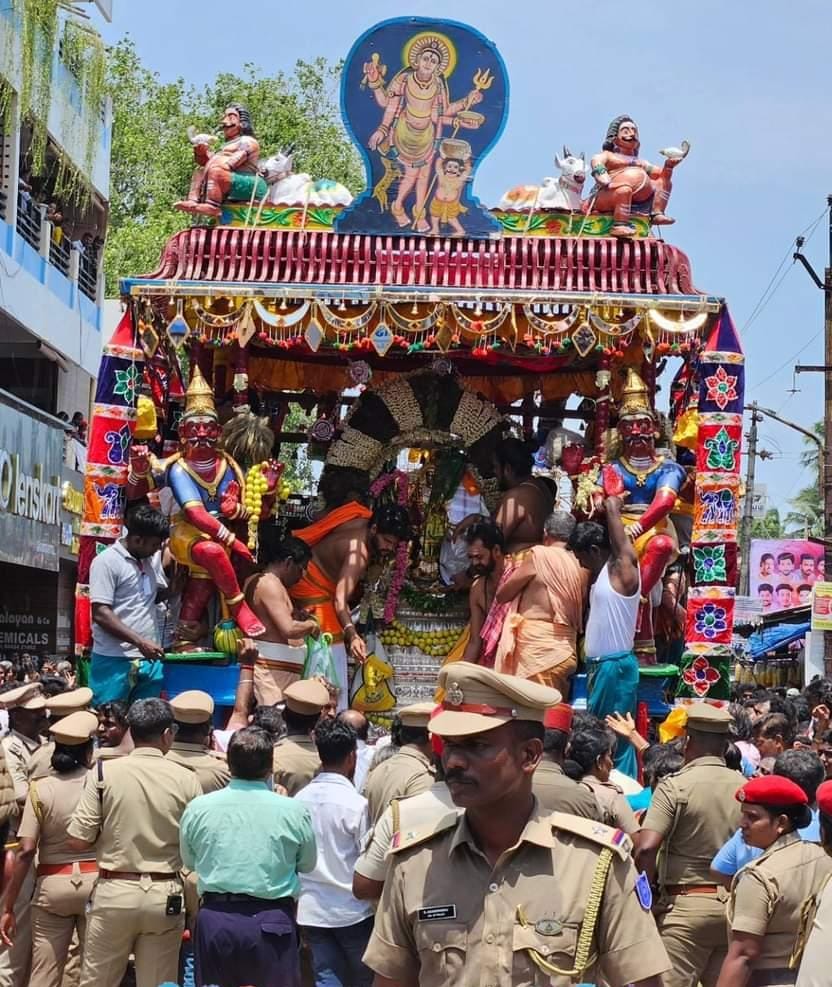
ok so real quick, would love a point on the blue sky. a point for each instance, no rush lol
(748, 84)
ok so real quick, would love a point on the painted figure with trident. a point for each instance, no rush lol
(417, 107)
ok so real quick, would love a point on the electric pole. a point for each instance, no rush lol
(825, 463)
(748, 503)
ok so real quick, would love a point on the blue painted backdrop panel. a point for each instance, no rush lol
(424, 101)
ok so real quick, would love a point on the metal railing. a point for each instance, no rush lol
(88, 273)
(59, 249)
(29, 220)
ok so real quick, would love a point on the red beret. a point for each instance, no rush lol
(559, 717)
(436, 742)
(772, 790)
(825, 798)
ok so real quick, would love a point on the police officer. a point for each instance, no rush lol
(410, 770)
(768, 894)
(692, 814)
(64, 878)
(296, 760)
(553, 789)
(505, 893)
(57, 707)
(192, 711)
(27, 720)
(130, 812)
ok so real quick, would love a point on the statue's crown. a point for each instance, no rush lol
(199, 398)
(635, 398)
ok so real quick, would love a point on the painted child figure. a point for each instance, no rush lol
(445, 207)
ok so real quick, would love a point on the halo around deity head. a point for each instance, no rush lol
(433, 40)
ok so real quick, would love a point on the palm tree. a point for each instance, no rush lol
(807, 514)
(769, 526)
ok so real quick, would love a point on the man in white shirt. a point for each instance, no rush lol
(336, 925)
(364, 753)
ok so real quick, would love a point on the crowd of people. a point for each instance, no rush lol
(486, 834)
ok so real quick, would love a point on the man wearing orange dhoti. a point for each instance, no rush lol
(343, 541)
(539, 641)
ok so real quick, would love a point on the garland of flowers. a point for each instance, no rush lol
(403, 551)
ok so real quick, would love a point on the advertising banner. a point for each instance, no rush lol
(784, 572)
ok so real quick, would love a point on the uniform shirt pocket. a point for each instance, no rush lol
(554, 950)
(442, 950)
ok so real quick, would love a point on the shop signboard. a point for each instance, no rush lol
(30, 489)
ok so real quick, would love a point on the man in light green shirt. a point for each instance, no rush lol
(247, 845)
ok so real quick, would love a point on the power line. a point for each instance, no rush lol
(788, 362)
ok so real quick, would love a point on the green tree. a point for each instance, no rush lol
(152, 160)
(769, 526)
(807, 514)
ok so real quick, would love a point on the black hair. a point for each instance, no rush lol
(115, 710)
(783, 586)
(555, 741)
(818, 692)
(250, 754)
(246, 127)
(586, 746)
(145, 522)
(800, 816)
(68, 757)
(516, 454)
(765, 586)
(804, 768)
(773, 725)
(335, 741)
(193, 733)
(53, 685)
(733, 757)
(289, 549)
(396, 731)
(270, 719)
(825, 830)
(526, 730)
(489, 533)
(300, 722)
(392, 519)
(362, 731)
(767, 555)
(785, 555)
(149, 718)
(661, 760)
(414, 735)
(807, 556)
(341, 484)
(612, 131)
(589, 534)
(741, 727)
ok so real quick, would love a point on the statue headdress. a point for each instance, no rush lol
(635, 398)
(199, 398)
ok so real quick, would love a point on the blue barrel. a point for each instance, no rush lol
(219, 681)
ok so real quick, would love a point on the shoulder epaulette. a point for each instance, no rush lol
(589, 829)
(404, 839)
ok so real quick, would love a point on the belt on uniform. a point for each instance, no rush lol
(132, 875)
(51, 870)
(772, 977)
(209, 896)
(691, 888)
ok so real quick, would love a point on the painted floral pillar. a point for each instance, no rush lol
(707, 662)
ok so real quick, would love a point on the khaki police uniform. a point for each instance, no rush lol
(408, 772)
(65, 877)
(196, 707)
(615, 809)
(696, 812)
(558, 793)
(64, 704)
(405, 815)
(767, 898)
(561, 906)
(15, 963)
(815, 967)
(133, 816)
(296, 760)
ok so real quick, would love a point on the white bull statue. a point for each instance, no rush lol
(288, 189)
(563, 192)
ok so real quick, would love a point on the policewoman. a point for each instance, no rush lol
(64, 878)
(768, 894)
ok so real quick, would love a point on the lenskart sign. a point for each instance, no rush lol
(28, 495)
(31, 451)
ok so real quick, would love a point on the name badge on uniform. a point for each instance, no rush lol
(644, 891)
(436, 913)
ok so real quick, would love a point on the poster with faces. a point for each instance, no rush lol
(783, 572)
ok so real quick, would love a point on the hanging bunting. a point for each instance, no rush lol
(551, 327)
(178, 328)
(615, 334)
(344, 324)
(281, 321)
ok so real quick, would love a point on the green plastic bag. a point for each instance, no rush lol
(319, 663)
